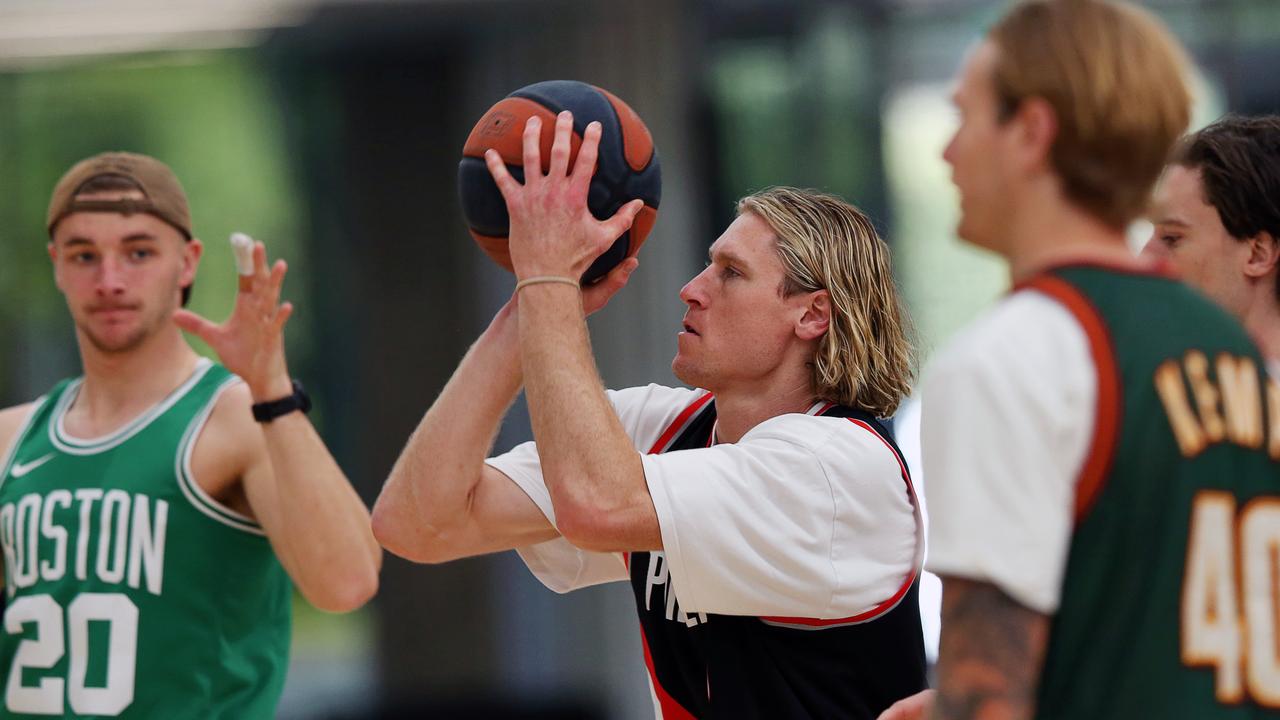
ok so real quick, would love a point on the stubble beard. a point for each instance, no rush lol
(123, 345)
(690, 373)
(151, 323)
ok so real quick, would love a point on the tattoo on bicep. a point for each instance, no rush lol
(990, 655)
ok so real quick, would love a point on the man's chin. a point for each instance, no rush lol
(116, 343)
(965, 231)
(686, 372)
(973, 232)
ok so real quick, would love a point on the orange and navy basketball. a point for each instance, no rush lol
(627, 167)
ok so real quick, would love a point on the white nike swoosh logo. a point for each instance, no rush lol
(20, 469)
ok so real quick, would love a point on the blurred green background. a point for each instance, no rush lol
(332, 131)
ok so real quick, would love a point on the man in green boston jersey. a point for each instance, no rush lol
(1217, 219)
(150, 525)
(1102, 444)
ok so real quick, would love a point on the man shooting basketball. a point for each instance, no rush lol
(766, 522)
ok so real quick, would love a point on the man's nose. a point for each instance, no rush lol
(111, 277)
(692, 293)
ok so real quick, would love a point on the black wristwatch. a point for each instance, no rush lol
(265, 412)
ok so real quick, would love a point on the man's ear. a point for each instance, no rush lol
(1264, 254)
(1037, 129)
(192, 251)
(53, 259)
(816, 319)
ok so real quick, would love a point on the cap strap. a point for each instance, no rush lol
(124, 206)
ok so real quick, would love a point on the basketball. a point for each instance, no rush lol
(627, 167)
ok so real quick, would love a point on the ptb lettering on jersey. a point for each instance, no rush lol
(128, 532)
(658, 576)
(1228, 405)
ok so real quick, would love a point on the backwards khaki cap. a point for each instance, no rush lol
(163, 195)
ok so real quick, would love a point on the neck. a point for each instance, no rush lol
(1047, 230)
(118, 384)
(1262, 321)
(739, 410)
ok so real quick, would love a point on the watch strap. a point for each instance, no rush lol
(265, 412)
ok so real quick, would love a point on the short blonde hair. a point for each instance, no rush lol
(865, 360)
(1116, 80)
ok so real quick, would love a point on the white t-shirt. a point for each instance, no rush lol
(804, 516)
(1008, 412)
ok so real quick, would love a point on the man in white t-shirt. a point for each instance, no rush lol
(1089, 439)
(766, 522)
(1217, 220)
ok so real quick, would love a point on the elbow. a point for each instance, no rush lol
(344, 593)
(602, 514)
(389, 533)
(396, 538)
(419, 544)
(625, 524)
(588, 526)
(423, 552)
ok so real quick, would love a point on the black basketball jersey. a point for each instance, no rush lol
(733, 667)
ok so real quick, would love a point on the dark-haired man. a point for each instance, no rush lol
(1217, 219)
(154, 510)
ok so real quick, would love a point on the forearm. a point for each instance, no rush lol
(435, 478)
(990, 655)
(322, 531)
(592, 470)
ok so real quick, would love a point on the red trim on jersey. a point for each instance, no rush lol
(871, 614)
(906, 476)
(1106, 427)
(894, 599)
(678, 423)
(671, 710)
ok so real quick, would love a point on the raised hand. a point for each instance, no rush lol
(250, 343)
(552, 231)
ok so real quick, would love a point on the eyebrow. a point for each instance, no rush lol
(133, 238)
(1171, 221)
(727, 257)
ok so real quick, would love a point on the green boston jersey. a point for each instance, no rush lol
(1169, 600)
(130, 592)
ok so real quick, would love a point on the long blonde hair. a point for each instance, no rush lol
(865, 360)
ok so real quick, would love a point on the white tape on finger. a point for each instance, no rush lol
(242, 246)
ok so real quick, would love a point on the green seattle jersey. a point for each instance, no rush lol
(1171, 593)
(130, 592)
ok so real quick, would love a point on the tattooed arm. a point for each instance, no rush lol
(990, 656)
